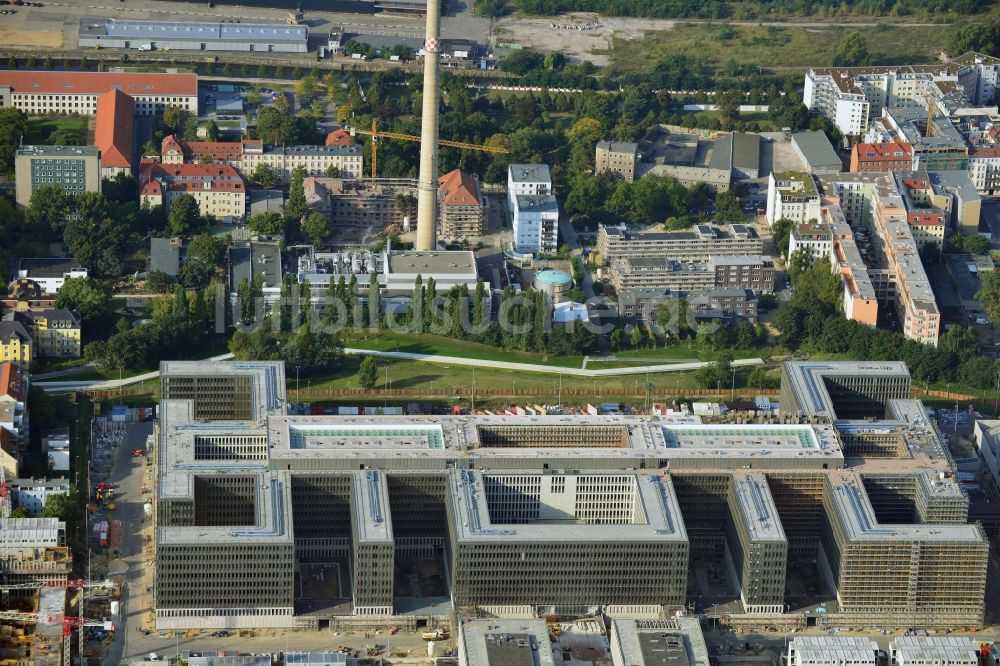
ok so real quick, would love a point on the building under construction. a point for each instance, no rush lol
(272, 520)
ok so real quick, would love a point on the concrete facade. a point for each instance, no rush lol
(77, 169)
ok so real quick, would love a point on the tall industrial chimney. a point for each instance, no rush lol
(427, 185)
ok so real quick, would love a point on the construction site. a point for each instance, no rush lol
(365, 521)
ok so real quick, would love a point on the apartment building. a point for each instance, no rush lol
(927, 212)
(883, 156)
(617, 158)
(726, 304)
(697, 244)
(792, 195)
(528, 179)
(32, 494)
(754, 272)
(535, 223)
(16, 345)
(870, 201)
(852, 97)
(55, 333)
(316, 160)
(114, 133)
(643, 304)
(218, 188)
(935, 142)
(533, 207)
(76, 169)
(14, 425)
(460, 205)
(656, 275)
(38, 93)
(815, 239)
(660, 273)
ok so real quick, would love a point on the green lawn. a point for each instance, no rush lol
(435, 344)
(438, 376)
(704, 116)
(773, 46)
(40, 128)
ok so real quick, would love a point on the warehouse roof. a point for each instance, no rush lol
(816, 150)
(228, 32)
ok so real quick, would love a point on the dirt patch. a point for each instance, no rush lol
(581, 36)
(49, 39)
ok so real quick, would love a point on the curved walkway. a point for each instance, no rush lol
(550, 369)
(59, 387)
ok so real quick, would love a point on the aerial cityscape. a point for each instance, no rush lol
(500, 333)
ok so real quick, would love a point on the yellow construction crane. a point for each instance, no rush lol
(375, 134)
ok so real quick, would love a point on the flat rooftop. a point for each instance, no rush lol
(458, 262)
(857, 518)
(749, 440)
(530, 173)
(47, 266)
(806, 379)
(653, 493)
(936, 649)
(276, 33)
(757, 509)
(834, 649)
(62, 152)
(676, 642)
(503, 642)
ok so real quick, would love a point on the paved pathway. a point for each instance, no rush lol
(62, 387)
(555, 370)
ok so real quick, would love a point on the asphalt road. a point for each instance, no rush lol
(128, 474)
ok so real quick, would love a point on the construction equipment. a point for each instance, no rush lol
(375, 134)
(69, 622)
(437, 634)
(931, 112)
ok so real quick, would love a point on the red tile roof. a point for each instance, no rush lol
(171, 144)
(191, 177)
(925, 218)
(12, 382)
(114, 131)
(220, 151)
(458, 189)
(339, 137)
(882, 152)
(83, 83)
